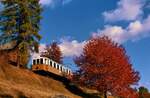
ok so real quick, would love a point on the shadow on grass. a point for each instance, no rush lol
(6, 96)
(21, 95)
(70, 86)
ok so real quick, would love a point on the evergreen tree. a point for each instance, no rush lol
(21, 19)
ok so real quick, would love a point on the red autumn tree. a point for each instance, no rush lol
(104, 66)
(53, 52)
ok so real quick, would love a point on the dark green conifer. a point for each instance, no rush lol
(21, 19)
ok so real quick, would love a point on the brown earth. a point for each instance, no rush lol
(23, 83)
(20, 82)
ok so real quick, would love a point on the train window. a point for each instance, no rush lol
(34, 62)
(61, 68)
(51, 63)
(41, 61)
(57, 66)
(54, 65)
(38, 61)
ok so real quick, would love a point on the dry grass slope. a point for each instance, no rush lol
(23, 83)
(15, 82)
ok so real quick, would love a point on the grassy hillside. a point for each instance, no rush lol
(18, 82)
(23, 83)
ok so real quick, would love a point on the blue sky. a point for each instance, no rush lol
(72, 22)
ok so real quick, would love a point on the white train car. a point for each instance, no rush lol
(46, 64)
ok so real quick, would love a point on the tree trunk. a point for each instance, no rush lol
(105, 94)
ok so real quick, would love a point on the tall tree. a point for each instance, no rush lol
(21, 19)
(53, 52)
(104, 66)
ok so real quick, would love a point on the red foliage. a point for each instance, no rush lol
(104, 65)
(53, 52)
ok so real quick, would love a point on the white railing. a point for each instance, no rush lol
(51, 63)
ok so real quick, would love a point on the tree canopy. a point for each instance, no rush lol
(104, 66)
(53, 52)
